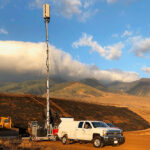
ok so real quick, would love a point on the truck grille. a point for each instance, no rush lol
(113, 133)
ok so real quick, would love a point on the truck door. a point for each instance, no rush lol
(84, 131)
(87, 130)
(79, 131)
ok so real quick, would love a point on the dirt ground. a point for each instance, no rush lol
(137, 140)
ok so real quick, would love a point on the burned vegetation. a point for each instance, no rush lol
(25, 108)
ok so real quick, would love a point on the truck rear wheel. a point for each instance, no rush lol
(97, 142)
(64, 139)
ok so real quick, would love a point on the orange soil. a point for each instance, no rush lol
(137, 140)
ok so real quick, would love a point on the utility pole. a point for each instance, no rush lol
(46, 15)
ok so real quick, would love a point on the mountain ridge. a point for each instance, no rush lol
(138, 88)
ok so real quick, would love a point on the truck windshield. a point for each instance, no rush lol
(34, 123)
(110, 125)
(99, 124)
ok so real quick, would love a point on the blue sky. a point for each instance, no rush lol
(112, 36)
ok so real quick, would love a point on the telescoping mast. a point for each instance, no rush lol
(34, 128)
(46, 15)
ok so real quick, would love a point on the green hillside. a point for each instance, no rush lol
(37, 87)
(32, 86)
(75, 90)
(94, 83)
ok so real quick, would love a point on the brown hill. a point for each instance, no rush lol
(138, 88)
(21, 108)
(24, 108)
(82, 92)
(120, 116)
(76, 90)
(141, 88)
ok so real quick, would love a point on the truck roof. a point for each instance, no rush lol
(72, 119)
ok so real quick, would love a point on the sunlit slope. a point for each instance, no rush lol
(76, 90)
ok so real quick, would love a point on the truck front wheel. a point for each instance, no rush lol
(64, 139)
(97, 142)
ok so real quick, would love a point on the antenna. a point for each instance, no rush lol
(46, 16)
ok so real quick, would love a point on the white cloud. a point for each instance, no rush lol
(141, 46)
(87, 14)
(68, 8)
(88, 3)
(79, 8)
(3, 31)
(22, 58)
(112, 52)
(146, 69)
(126, 33)
(126, 2)
(111, 1)
(115, 35)
(36, 3)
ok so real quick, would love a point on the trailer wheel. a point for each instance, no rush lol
(64, 139)
(97, 142)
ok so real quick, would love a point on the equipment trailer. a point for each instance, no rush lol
(38, 133)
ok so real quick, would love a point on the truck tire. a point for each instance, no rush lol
(64, 139)
(97, 142)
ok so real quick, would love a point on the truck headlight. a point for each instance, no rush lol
(122, 133)
(104, 133)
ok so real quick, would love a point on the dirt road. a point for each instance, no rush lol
(139, 140)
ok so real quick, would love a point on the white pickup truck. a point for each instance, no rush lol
(97, 132)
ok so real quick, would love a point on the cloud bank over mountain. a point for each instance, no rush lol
(25, 60)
